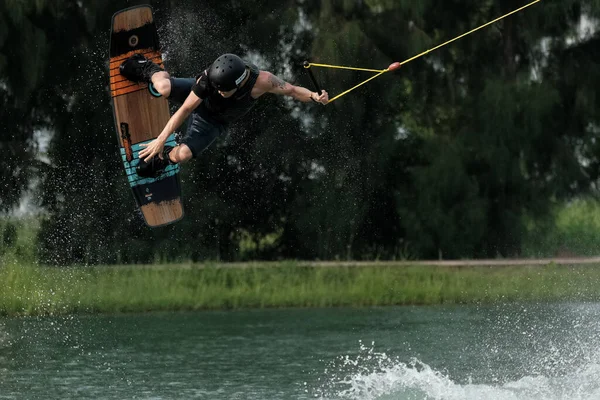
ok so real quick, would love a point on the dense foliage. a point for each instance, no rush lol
(450, 156)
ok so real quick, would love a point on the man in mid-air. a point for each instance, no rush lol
(221, 94)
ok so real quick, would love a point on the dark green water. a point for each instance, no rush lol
(499, 352)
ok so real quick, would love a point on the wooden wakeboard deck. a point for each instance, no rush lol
(140, 116)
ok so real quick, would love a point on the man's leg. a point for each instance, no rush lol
(199, 136)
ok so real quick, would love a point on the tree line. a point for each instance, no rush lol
(446, 157)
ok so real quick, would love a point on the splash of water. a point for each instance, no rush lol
(372, 375)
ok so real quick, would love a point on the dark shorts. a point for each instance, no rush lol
(200, 132)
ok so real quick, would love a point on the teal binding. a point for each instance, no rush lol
(153, 90)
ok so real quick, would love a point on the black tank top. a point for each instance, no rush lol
(225, 110)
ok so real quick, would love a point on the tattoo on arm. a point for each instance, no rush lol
(277, 82)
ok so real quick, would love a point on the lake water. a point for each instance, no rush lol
(528, 351)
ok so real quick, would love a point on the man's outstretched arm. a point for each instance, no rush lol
(269, 83)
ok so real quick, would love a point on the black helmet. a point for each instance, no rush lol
(227, 72)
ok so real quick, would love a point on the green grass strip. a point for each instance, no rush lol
(32, 290)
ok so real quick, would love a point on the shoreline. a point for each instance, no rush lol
(533, 262)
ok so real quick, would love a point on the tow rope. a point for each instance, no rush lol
(396, 65)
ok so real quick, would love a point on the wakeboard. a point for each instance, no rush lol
(140, 114)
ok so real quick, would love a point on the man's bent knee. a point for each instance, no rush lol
(180, 154)
(162, 83)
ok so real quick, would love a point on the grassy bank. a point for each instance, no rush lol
(41, 290)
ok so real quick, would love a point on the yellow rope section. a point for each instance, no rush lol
(382, 71)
